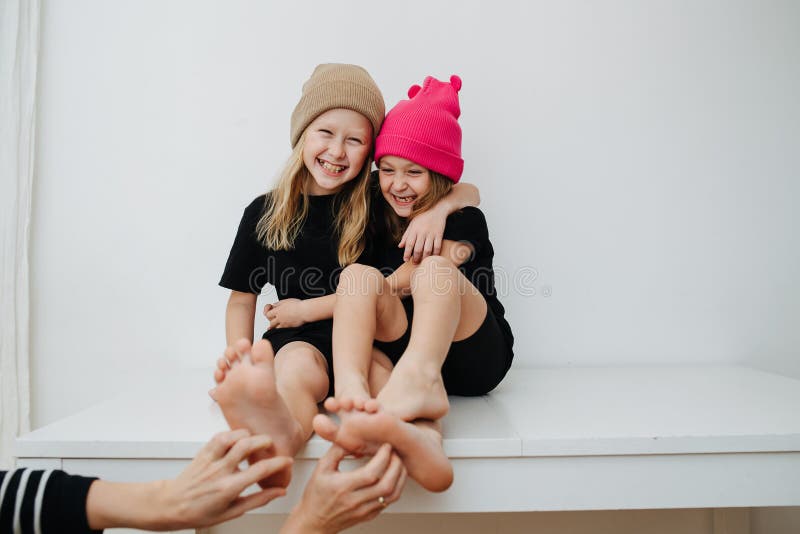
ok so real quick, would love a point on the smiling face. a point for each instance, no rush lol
(403, 182)
(335, 148)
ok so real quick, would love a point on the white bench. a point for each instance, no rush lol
(546, 439)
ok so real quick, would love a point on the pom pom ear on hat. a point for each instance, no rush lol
(425, 129)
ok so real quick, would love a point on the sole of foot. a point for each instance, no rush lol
(248, 396)
(419, 446)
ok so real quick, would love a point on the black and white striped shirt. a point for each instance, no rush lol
(43, 502)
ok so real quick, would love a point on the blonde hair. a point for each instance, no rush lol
(280, 225)
(439, 188)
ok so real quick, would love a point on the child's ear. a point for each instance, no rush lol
(413, 90)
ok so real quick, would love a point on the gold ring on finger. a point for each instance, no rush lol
(382, 501)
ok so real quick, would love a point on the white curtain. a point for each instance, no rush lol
(19, 49)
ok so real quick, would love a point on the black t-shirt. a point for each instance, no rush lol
(310, 269)
(467, 225)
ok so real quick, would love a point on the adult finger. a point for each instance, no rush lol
(399, 486)
(370, 473)
(244, 504)
(247, 446)
(386, 485)
(218, 445)
(267, 308)
(259, 471)
(331, 459)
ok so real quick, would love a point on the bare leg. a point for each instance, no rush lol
(379, 372)
(446, 307)
(302, 381)
(364, 311)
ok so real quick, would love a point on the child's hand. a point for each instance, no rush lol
(285, 313)
(423, 236)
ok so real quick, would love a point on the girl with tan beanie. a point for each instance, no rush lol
(298, 237)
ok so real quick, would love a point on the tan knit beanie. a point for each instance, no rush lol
(335, 85)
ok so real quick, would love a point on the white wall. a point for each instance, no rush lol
(643, 157)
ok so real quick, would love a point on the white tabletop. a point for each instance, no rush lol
(657, 410)
(542, 412)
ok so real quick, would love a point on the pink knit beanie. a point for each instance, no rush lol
(424, 129)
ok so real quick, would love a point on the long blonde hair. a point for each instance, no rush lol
(280, 225)
(439, 188)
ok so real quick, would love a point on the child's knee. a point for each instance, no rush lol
(302, 367)
(360, 277)
(437, 275)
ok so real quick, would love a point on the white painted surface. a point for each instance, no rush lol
(662, 410)
(176, 417)
(629, 439)
(545, 412)
(641, 157)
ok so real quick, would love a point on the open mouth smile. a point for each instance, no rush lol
(330, 168)
(404, 200)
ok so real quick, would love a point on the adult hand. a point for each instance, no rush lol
(285, 313)
(205, 493)
(208, 491)
(335, 500)
(423, 236)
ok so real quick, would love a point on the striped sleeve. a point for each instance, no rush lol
(43, 502)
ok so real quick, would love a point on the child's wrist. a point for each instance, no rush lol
(446, 206)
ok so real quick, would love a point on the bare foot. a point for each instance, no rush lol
(344, 406)
(351, 386)
(249, 399)
(414, 393)
(419, 444)
(230, 357)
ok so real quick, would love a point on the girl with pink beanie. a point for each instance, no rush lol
(458, 342)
